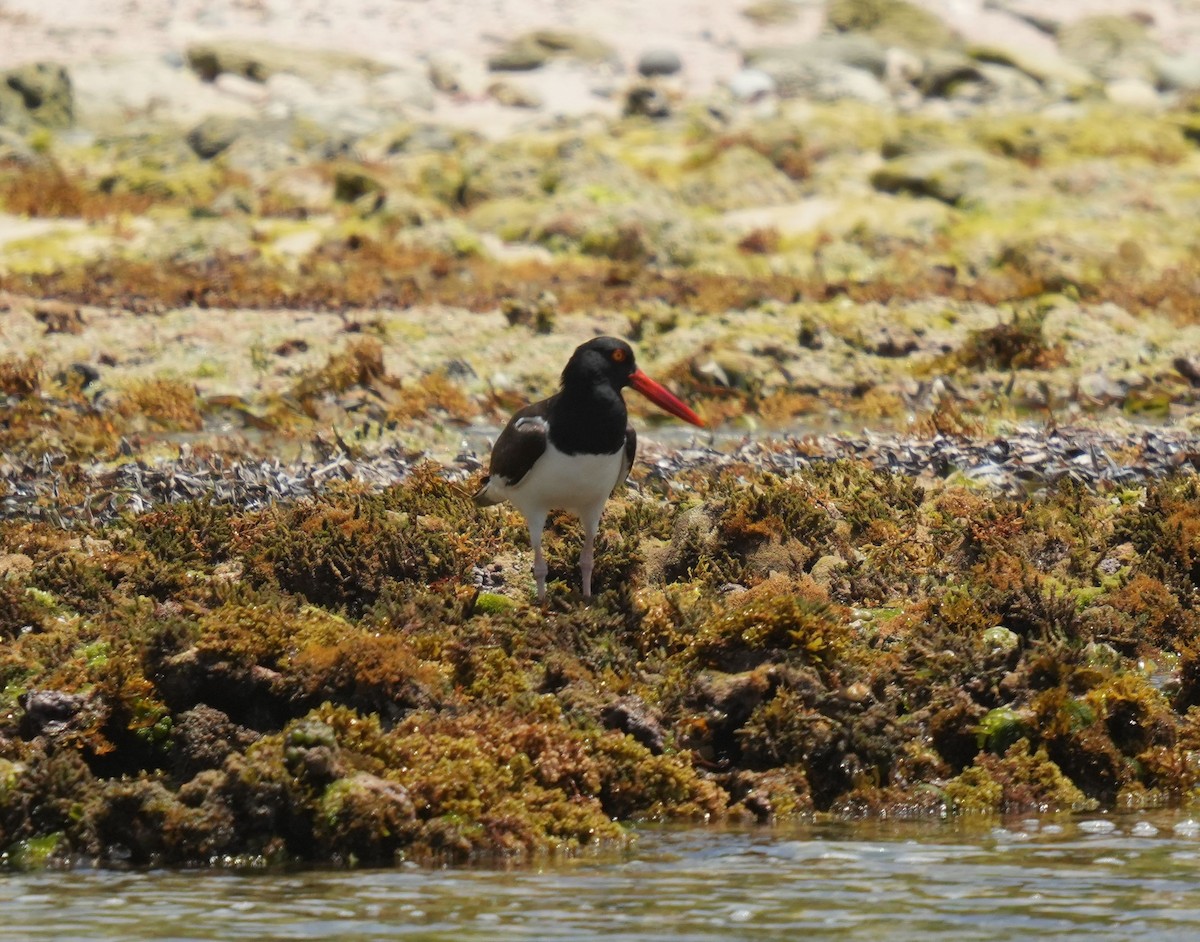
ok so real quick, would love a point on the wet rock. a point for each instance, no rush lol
(728, 700)
(365, 816)
(654, 62)
(311, 752)
(39, 94)
(48, 712)
(632, 715)
(204, 737)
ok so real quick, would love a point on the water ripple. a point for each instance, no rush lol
(1109, 877)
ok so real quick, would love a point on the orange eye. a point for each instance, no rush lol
(618, 355)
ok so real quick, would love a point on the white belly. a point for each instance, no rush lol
(579, 483)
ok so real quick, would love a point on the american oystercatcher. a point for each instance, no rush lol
(569, 452)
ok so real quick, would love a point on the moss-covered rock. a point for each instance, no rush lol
(36, 95)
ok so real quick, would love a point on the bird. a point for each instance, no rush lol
(571, 450)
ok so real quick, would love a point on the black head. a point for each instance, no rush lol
(604, 359)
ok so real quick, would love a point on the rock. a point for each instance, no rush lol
(1060, 77)
(943, 72)
(351, 184)
(1110, 47)
(825, 569)
(48, 711)
(957, 176)
(892, 22)
(1133, 93)
(1177, 73)
(514, 95)
(772, 12)
(1045, 18)
(59, 317)
(15, 150)
(457, 74)
(39, 94)
(842, 260)
(646, 100)
(279, 143)
(659, 62)
(216, 133)
(856, 51)
(631, 715)
(827, 69)
(534, 49)
(737, 178)
(1000, 639)
(258, 61)
(731, 369)
(751, 85)
(826, 82)
(203, 737)
(366, 816)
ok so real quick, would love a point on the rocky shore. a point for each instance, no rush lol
(268, 286)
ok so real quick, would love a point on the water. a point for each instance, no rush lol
(1114, 878)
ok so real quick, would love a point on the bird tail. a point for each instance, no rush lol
(484, 499)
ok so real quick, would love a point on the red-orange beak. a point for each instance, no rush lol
(663, 398)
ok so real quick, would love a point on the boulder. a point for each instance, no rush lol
(38, 94)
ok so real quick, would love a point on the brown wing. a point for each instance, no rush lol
(519, 446)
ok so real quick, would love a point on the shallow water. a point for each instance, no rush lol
(1113, 877)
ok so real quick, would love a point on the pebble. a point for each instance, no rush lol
(751, 85)
(659, 62)
(1031, 460)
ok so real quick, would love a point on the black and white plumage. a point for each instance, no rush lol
(571, 451)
